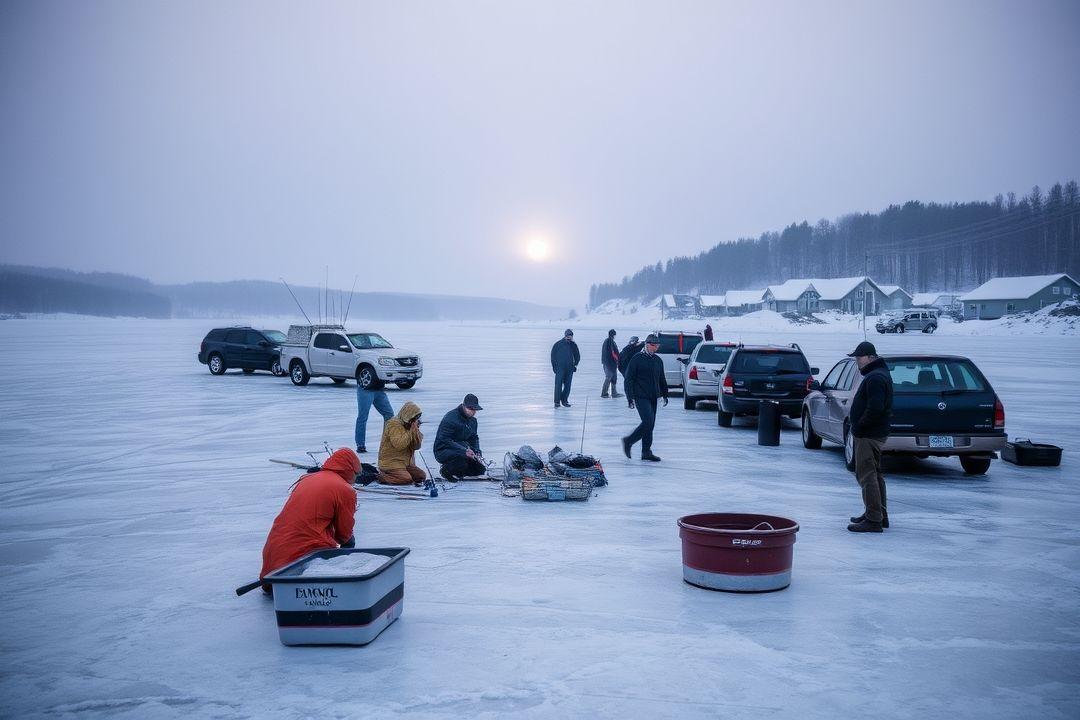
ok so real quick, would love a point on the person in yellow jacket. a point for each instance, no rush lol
(401, 438)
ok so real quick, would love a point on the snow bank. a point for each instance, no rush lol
(343, 565)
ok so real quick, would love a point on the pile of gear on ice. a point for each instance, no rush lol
(565, 475)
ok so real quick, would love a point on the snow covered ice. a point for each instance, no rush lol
(359, 563)
(136, 496)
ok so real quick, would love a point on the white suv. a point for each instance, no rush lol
(331, 351)
(675, 348)
(701, 372)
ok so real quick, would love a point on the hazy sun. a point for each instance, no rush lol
(537, 249)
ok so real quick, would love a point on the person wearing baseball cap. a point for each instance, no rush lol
(564, 361)
(457, 443)
(645, 384)
(870, 411)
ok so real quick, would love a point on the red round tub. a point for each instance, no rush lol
(737, 552)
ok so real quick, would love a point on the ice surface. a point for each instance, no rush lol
(136, 495)
(360, 563)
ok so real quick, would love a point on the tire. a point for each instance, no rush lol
(216, 363)
(367, 379)
(849, 450)
(723, 419)
(249, 371)
(298, 373)
(929, 329)
(688, 402)
(338, 381)
(900, 328)
(406, 384)
(275, 368)
(810, 439)
(974, 465)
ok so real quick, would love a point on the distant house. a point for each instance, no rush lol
(940, 300)
(895, 298)
(711, 305)
(678, 306)
(797, 296)
(740, 302)
(846, 294)
(1006, 295)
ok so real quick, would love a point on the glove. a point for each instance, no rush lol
(665, 402)
(350, 543)
(631, 402)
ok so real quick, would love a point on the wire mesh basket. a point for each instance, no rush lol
(552, 488)
(595, 474)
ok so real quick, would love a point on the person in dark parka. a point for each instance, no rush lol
(871, 409)
(708, 333)
(609, 358)
(631, 348)
(457, 443)
(645, 384)
(564, 361)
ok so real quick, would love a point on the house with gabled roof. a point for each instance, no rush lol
(740, 302)
(797, 296)
(1002, 296)
(895, 298)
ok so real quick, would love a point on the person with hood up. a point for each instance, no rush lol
(401, 438)
(457, 443)
(318, 514)
(564, 361)
(609, 358)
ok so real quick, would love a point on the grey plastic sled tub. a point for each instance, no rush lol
(338, 609)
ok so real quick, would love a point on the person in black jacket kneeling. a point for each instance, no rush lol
(645, 384)
(457, 443)
(871, 409)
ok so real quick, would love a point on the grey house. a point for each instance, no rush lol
(678, 306)
(740, 302)
(1004, 296)
(895, 298)
(793, 296)
(939, 300)
(711, 305)
(846, 294)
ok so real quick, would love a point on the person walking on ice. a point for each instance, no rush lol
(564, 361)
(609, 359)
(645, 384)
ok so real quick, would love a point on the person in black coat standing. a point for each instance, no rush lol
(609, 358)
(564, 361)
(645, 384)
(871, 409)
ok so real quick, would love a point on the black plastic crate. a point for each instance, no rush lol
(1025, 452)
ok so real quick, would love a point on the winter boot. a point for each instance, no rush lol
(884, 518)
(446, 475)
(865, 526)
(626, 446)
(650, 457)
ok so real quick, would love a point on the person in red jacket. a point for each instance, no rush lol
(318, 515)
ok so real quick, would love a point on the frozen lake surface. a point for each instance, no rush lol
(136, 494)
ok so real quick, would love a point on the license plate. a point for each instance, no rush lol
(942, 441)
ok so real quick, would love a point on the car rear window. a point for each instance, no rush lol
(768, 362)
(717, 354)
(216, 335)
(935, 375)
(677, 344)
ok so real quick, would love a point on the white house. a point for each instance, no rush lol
(738, 302)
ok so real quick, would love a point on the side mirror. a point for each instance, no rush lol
(344, 348)
(814, 385)
(814, 370)
(264, 344)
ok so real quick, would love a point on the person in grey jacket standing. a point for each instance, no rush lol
(609, 359)
(645, 384)
(871, 409)
(564, 361)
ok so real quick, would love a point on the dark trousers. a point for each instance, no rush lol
(461, 466)
(868, 473)
(563, 378)
(646, 410)
(611, 380)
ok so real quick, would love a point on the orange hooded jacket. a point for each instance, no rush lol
(317, 515)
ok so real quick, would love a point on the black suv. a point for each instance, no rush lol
(763, 372)
(242, 347)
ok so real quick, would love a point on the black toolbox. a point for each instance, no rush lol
(1025, 452)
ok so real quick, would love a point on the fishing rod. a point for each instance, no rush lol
(581, 449)
(296, 301)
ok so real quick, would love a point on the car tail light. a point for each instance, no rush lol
(693, 372)
(809, 380)
(999, 415)
(729, 386)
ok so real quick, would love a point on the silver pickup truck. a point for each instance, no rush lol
(339, 354)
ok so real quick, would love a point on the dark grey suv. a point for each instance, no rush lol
(247, 348)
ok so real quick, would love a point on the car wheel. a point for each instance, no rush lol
(298, 373)
(248, 371)
(366, 378)
(974, 465)
(275, 368)
(688, 402)
(338, 381)
(216, 363)
(810, 439)
(723, 419)
(929, 330)
(405, 384)
(900, 328)
(849, 449)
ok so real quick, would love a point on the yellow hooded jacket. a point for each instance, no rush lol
(399, 442)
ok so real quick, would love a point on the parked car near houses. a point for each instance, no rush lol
(674, 348)
(763, 372)
(942, 406)
(332, 351)
(920, 319)
(701, 371)
(243, 347)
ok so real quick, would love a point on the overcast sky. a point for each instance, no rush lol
(423, 145)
